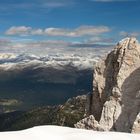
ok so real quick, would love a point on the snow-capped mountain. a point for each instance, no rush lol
(79, 57)
(47, 78)
(9, 60)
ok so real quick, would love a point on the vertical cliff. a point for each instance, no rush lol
(115, 102)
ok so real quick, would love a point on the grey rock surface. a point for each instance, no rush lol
(115, 102)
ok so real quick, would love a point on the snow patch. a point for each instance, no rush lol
(65, 133)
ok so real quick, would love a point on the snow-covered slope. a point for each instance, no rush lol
(64, 133)
(8, 60)
(81, 57)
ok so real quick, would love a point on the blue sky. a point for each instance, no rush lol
(68, 21)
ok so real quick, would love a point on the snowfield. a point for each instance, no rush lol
(65, 133)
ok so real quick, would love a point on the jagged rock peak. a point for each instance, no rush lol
(115, 101)
(126, 41)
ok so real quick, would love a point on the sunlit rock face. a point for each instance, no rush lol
(136, 125)
(115, 102)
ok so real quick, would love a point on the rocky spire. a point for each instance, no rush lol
(115, 101)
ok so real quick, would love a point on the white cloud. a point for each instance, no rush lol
(80, 31)
(31, 44)
(131, 34)
(91, 30)
(37, 32)
(56, 32)
(4, 41)
(98, 39)
(77, 32)
(48, 43)
(20, 30)
(5, 44)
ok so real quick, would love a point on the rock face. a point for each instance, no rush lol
(136, 126)
(88, 123)
(115, 102)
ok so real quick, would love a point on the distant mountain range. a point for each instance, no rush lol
(10, 60)
(35, 81)
(30, 82)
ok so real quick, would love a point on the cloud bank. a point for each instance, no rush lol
(77, 32)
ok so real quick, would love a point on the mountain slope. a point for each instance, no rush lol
(64, 115)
